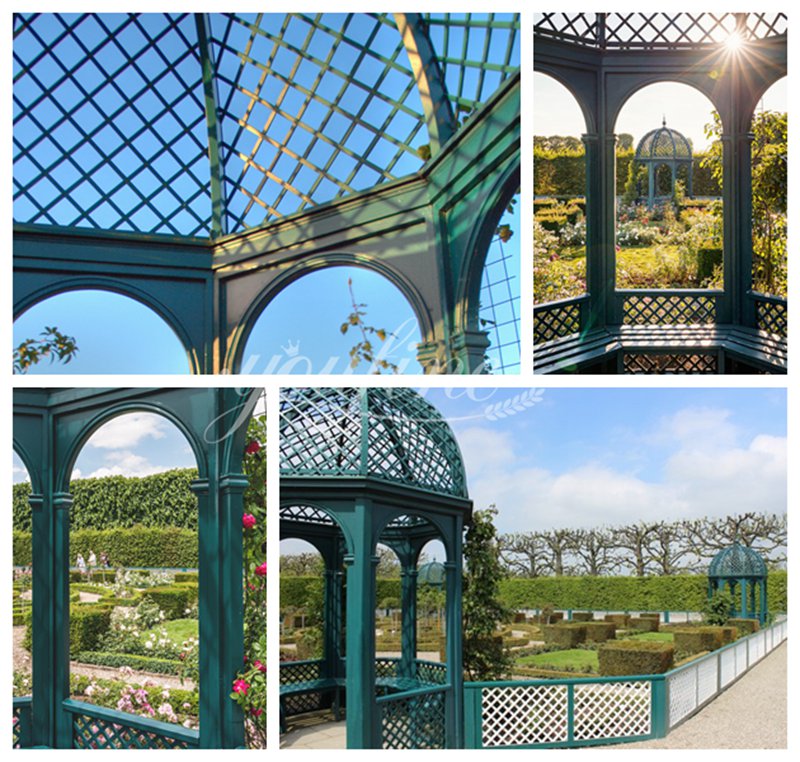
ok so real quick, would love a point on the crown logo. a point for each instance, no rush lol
(292, 349)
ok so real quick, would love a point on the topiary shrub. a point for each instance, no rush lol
(696, 639)
(645, 624)
(582, 616)
(621, 620)
(173, 600)
(139, 663)
(566, 634)
(745, 626)
(708, 257)
(650, 615)
(635, 657)
(87, 624)
(600, 632)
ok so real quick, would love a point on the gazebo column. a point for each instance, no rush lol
(332, 621)
(737, 195)
(651, 184)
(743, 596)
(454, 710)
(59, 679)
(762, 607)
(408, 629)
(600, 226)
(363, 731)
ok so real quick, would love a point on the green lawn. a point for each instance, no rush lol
(178, 630)
(573, 658)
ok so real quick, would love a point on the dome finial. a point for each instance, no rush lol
(663, 120)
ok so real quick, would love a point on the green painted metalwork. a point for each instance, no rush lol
(50, 428)
(603, 59)
(21, 731)
(256, 149)
(359, 467)
(664, 147)
(742, 566)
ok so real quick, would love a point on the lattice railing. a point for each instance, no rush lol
(772, 315)
(668, 309)
(585, 711)
(431, 672)
(413, 720)
(99, 728)
(300, 671)
(556, 320)
(21, 727)
(663, 31)
(658, 363)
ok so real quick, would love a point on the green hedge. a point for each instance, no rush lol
(145, 663)
(681, 592)
(635, 657)
(600, 632)
(566, 634)
(87, 624)
(745, 626)
(158, 500)
(643, 623)
(693, 640)
(173, 600)
(582, 616)
(137, 546)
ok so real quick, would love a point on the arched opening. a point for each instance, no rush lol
(769, 173)
(668, 196)
(500, 295)
(361, 323)
(113, 333)
(559, 176)
(133, 550)
(22, 593)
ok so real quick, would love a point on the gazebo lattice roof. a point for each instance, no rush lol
(390, 434)
(662, 144)
(207, 124)
(737, 561)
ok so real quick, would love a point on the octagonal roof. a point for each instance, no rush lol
(387, 433)
(737, 561)
(206, 124)
(664, 144)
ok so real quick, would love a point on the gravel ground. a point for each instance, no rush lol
(751, 714)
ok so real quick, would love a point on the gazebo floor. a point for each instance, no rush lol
(315, 731)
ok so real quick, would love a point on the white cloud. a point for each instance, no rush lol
(126, 463)
(128, 431)
(19, 474)
(699, 426)
(76, 474)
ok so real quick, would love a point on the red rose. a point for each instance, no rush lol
(261, 571)
(261, 667)
(253, 447)
(248, 521)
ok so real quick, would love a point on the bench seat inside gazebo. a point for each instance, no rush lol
(681, 348)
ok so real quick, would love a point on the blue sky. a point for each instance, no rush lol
(587, 457)
(135, 444)
(555, 111)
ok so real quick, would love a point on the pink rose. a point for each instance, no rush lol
(248, 521)
(241, 687)
(261, 571)
(259, 665)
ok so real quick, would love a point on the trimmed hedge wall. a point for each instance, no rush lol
(158, 500)
(635, 657)
(745, 626)
(693, 640)
(566, 634)
(173, 600)
(681, 592)
(600, 632)
(87, 624)
(145, 663)
(137, 546)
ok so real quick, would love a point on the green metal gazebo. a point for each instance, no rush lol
(202, 163)
(361, 467)
(50, 428)
(664, 147)
(741, 566)
(603, 59)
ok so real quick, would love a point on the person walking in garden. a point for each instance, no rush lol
(81, 564)
(104, 560)
(92, 562)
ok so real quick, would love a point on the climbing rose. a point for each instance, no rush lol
(261, 571)
(260, 666)
(256, 712)
(248, 521)
(253, 447)
(240, 686)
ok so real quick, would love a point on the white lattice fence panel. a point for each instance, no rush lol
(682, 688)
(727, 667)
(707, 671)
(530, 714)
(741, 658)
(611, 710)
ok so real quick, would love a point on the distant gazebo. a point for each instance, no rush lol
(664, 147)
(742, 566)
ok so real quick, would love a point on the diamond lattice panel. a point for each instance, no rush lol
(92, 733)
(528, 715)
(612, 710)
(682, 688)
(109, 123)
(416, 722)
(313, 107)
(476, 51)
(668, 309)
(553, 323)
(772, 317)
